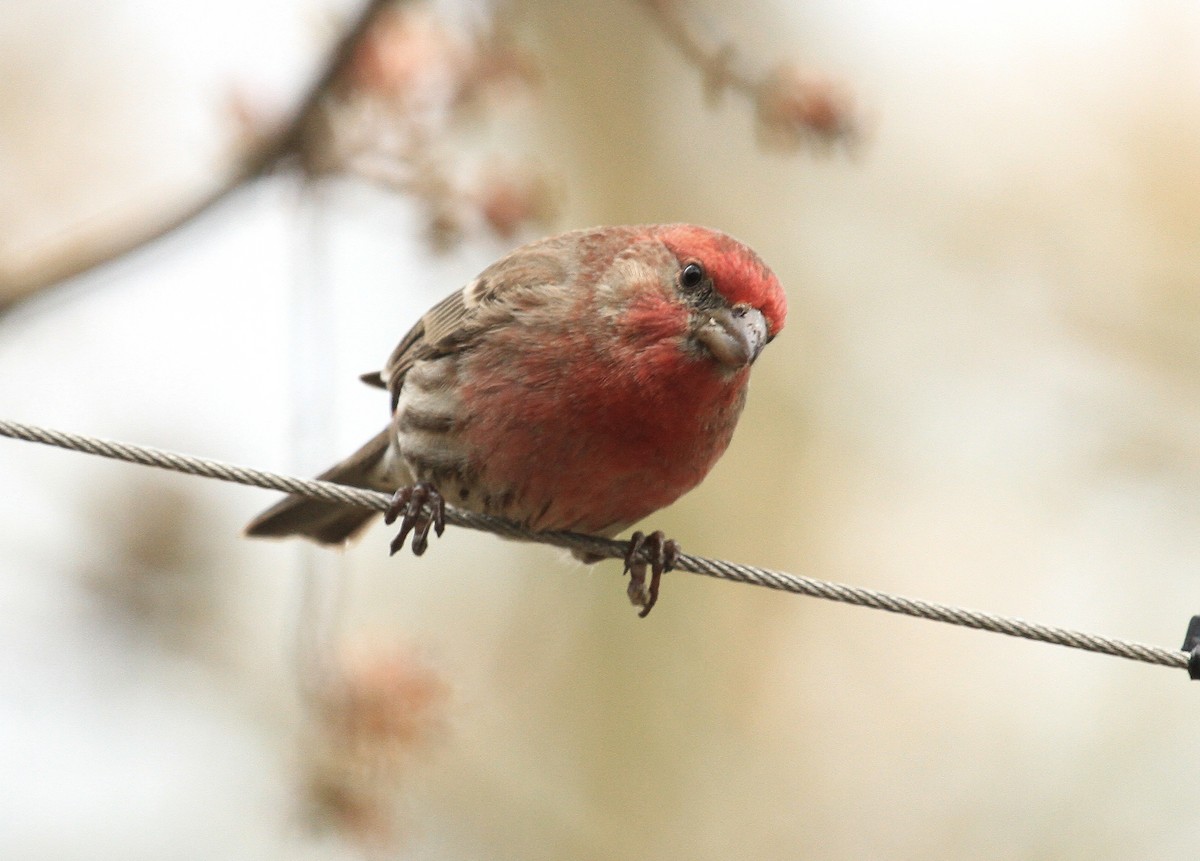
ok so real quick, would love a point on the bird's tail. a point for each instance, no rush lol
(329, 522)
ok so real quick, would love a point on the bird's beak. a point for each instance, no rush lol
(734, 335)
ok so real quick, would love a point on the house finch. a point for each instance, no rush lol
(580, 383)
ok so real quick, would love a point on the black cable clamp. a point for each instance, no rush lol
(1191, 645)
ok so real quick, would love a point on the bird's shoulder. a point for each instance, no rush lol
(520, 282)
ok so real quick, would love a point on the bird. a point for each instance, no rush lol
(580, 383)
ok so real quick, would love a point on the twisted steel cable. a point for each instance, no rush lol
(606, 548)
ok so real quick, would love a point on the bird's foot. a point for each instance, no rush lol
(656, 552)
(419, 507)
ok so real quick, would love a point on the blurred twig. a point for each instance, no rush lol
(364, 82)
(793, 107)
(270, 151)
(415, 94)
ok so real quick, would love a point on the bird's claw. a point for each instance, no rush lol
(419, 507)
(655, 551)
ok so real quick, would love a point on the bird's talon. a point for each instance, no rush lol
(418, 507)
(656, 552)
(638, 596)
(398, 505)
(398, 541)
(421, 536)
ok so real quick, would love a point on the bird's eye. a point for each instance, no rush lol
(692, 276)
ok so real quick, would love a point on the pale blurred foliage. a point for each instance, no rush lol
(987, 394)
(85, 156)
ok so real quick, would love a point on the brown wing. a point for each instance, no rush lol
(512, 284)
(400, 360)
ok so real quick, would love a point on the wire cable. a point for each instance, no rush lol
(606, 548)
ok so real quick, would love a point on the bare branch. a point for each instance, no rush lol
(793, 107)
(363, 82)
(273, 150)
(413, 97)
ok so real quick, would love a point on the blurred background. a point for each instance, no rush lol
(986, 217)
